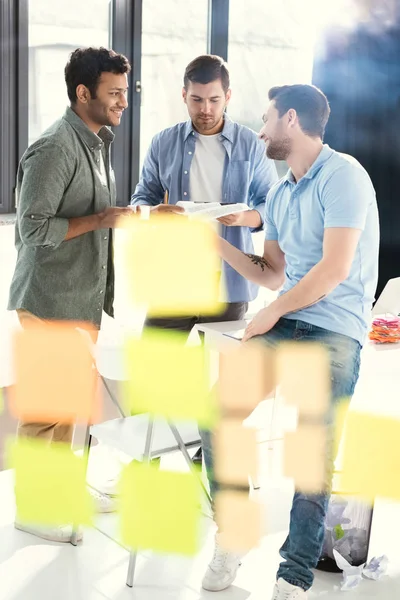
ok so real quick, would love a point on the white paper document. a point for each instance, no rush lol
(210, 210)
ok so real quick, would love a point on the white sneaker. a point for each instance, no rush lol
(286, 591)
(61, 533)
(222, 570)
(103, 502)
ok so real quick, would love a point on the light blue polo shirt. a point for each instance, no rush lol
(335, 192)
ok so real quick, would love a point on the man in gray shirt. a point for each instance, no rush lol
(66, 197)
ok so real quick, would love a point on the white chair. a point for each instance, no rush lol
(389, 300)
(141, 437)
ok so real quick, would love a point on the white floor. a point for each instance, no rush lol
(32, 569)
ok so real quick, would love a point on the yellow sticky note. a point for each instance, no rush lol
(159, 509)
(55, 379)
(236, 453)
(239, 520)
(168, 378)
(303, 373)
(305, 452)
(246, 377)
(371, 456)
(172, 266)
(50, 484)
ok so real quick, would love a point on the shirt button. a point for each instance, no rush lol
(186, 172)
(185, 193)
(189, 153)
(105, 237)
(101, 291)
(97, 309)
(103, 267)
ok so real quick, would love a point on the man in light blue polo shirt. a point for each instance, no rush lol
(321, 245)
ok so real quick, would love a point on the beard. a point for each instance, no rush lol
(201, 125)
(279, 149)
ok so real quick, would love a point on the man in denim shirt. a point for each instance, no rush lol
(209, 158)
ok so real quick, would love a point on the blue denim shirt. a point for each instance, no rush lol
(248, 177)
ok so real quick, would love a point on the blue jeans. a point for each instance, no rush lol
(302, 548)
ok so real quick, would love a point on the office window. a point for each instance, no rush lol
(55, 30)
(174, 32)
(270, 43)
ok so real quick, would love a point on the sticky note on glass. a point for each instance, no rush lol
(159, 510)
(50, 484)
(239, 521)
(246, 377)
(371, 456)
(303, 373)
(235, 452)
(55, 381)
(168, 378)
(172, 266)
(305, 452)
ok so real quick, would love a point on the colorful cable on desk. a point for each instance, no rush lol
(385, 331)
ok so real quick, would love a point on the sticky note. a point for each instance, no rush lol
(239, 521)
(305, 452)
(50, 483)
(371, 456)
(235, 452)
(168, 378)
(172, 266)
(55, 379)
(159, 509)
(246, 377)
(303, 373)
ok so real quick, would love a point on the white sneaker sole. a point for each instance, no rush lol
(46, 536)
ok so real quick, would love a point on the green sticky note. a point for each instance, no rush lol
(50, 484)
(159, 510)
(168, 378)
(339, 532)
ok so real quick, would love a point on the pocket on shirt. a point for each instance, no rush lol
(239, 181)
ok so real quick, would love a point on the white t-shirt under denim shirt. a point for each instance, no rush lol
(207, 170)
(335, 192)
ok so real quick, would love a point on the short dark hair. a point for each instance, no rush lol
(308, 101)
(86, 65)
(207, 68)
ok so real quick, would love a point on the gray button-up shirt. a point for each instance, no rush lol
(66, 173)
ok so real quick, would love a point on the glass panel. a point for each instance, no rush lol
(270, 43)
(55, 30)
(174, 33)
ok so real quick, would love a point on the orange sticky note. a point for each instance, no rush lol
(305, 452)
(236, 453)
(246, 377)
(55, 379)
(172, 266)
(303, 373)
(239, 521)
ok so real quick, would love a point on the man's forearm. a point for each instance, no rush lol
(252, 267)
(320, 281)
(251, 218)
(80, 225)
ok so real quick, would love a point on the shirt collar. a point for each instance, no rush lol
(93, 141)
(319, 162)
(227, 131)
